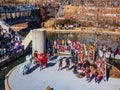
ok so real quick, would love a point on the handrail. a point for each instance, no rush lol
(7, 25)
(27, 39)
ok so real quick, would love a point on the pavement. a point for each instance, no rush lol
(57, 80)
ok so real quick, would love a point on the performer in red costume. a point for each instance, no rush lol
(45, 61)
(40, 60)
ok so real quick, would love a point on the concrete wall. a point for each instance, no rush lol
(38, 41)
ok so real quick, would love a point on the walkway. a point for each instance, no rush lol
(86, 30)
(58, 80)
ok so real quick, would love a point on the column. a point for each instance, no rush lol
(38, 41)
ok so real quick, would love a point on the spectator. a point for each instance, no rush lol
(35, 57)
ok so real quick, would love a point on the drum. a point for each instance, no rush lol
(80, 73)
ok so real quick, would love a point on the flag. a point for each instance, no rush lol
(92, 48)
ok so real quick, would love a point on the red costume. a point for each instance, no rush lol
(77, 46)
(40, 59)
(45, 61)
(67, 64)
(87, 72)
(40, 56)
(60, 65)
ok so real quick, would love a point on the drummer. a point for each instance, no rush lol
(80, 62)
(99, 76)
(87, 72)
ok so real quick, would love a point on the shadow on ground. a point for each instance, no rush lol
(50, 64)
(53, 57)
(33, 68)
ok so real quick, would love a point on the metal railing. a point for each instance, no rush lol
(11, 9)
(21, 52)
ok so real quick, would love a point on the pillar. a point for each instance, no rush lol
(38, 41)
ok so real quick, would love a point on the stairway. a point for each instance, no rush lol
(60, 13)
(27, 40)
(4, 25)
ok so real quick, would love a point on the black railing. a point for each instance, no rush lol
(12, 9)
(6, 60)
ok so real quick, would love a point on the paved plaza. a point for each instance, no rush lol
(57, 80)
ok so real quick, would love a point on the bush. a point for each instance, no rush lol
(65, 21)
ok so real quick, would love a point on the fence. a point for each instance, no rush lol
(15, 56)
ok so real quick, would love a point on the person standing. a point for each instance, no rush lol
(40, 60)
(67, 64)
(60, 64)
(104, 64)
(35, 57)
(87, 72)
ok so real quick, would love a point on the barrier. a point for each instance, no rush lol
(14, 57)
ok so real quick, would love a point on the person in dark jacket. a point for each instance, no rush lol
(67, 64)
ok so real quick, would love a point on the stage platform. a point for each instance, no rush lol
(57, 80)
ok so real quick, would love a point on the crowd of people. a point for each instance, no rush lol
(89, 60)
(10, 8)
(96, 69)
(81, 68)
(63, 45)
(10, 43)
(82, 65)
(18, 14)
